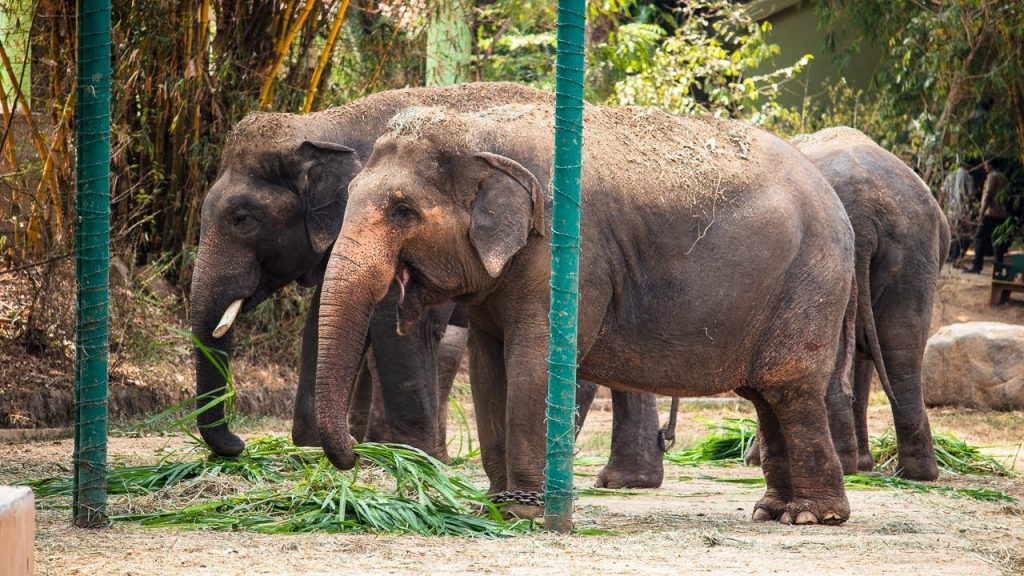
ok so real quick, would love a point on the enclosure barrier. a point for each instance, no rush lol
(92, 262)
(565, 253)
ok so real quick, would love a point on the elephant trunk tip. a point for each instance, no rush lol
(341, 455)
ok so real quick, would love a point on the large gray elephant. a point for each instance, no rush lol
(901, 238)
(271, 217)
(714, 257)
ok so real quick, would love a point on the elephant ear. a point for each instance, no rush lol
(509, 202)
(327, 169)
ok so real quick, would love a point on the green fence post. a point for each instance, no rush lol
(92, 203)
(565, 256)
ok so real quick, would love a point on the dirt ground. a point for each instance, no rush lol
(695, 523)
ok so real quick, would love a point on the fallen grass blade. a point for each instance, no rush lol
(893, 482)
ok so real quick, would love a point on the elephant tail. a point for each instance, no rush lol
(866, 321)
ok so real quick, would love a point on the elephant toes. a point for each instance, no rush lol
(826, 511)
(613, 477)
(913, 468)
(753, 455)
(770, 507)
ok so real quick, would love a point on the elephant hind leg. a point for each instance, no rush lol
(773, 458)
(863, 371)
(815, 474)
(636, 460)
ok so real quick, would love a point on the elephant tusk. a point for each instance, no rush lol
(227, 319)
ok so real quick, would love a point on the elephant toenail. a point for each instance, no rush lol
(786, 518)
(806, 517)
(762, 515)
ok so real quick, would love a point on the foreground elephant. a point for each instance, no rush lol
(271, 217)
(714, 257)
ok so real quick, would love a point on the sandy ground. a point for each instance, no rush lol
(693, 524)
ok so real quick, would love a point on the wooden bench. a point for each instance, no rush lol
(1007, 277)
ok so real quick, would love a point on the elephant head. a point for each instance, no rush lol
(268, 220)
(443, 222)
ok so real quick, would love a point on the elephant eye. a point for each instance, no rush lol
(242, 221)
(403, 214)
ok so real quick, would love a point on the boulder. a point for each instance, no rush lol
(976, 365)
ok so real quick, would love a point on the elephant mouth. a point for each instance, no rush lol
(416, 293)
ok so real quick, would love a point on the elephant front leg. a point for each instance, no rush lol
(636, 460)
(488, 386)
(304, 428)
(526, 398)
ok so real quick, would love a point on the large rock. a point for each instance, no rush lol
(17, 531)
(975, 364)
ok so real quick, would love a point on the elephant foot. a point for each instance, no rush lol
(769, 507)
(523, 511)
(615, 477)
(753, 455)
(823, 511)
(914, 468)
(865, 463)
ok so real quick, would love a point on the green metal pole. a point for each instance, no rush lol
(565, 260)
(92, 203)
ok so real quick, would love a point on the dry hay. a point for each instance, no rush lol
(659, 157)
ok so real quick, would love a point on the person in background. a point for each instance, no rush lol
(991, 214)
(957, 191)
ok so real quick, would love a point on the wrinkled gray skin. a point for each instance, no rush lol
(901, 241)
(682, 292)
(271, 217)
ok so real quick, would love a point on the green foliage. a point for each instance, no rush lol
(954, 455)
(708, 64)
(728, 442)
(287, 489)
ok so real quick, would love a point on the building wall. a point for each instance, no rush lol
(797, 31)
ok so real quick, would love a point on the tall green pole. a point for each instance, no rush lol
(565, 263)
(92, 263)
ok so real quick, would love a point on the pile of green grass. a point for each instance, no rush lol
(727, 442)
(730, 438)
(287, 489)
(953, 455)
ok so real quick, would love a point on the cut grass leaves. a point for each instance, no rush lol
(727, 442)
(729, 439)
(953, 455)
(287, 489)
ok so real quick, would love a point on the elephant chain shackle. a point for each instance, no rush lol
(527, 497)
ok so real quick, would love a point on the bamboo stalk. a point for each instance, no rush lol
(37, 138)
(332, 37)
(47, 172)
(282, 52)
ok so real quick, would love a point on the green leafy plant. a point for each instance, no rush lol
(288, 489)
(953, 455)
(727, 442)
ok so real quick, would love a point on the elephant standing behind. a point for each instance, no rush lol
(714, 257)
(271, 217)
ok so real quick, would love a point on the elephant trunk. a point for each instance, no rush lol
(357, 277)
(212, 295)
